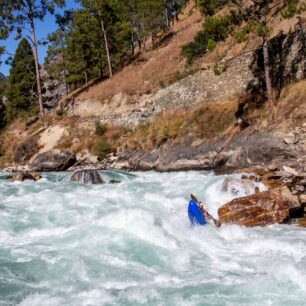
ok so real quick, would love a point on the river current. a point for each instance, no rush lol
(65, 243)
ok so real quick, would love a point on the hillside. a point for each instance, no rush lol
(158, 104)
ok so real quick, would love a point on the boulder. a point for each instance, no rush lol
(291, 171)
(234, 186)
(114, 182)
(290, 140)
(273, 180)
(87, 177)
(53, 160)
(24, 176)
(261, 209)
(302, 199)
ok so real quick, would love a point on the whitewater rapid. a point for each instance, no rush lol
(65, 243)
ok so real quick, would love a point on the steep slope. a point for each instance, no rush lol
(157, 110)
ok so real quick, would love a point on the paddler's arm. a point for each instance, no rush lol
(207, 215)
(204, 212)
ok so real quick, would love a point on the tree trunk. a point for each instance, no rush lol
(38, 77)
(167, 15)
(267, 67)
(85, 69)
(106, 46)
(65, 80)
(86, 77)
(133, 43)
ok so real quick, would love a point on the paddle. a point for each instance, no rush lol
(203, 210)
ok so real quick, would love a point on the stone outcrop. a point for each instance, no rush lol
(246, 149)
(203, 86)
(287, 60)
(261, 209)
(53, 160)
(87, 177)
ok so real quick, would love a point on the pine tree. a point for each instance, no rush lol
(56, 61)
(22, 82)
(20, 16)
(103, 11)
(2, 95)
(83, 51)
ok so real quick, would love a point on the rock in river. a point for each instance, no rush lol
(260, 209)
(235, 186)
(24, 176)
(87, 177)
(53, 160)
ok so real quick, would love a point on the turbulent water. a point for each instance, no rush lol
(66, 243)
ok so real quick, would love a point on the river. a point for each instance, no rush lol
(65, 243)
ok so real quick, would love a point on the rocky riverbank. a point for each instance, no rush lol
(249, 148)
(277, 162)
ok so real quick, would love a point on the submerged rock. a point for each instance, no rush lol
(87, 177)
(114, 182)
(261, 209)
(235, 186)
(53, 160)
(302, 222)
(24, 176)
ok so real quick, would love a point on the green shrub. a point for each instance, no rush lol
(217, 69)
(100, 129)
(293, 7)
(60, 112)
(241, 36)
(209, 7)
(211, 45)
(162, 84)
(101, 149)
(217, 28)
(197, 48)
(214, 29)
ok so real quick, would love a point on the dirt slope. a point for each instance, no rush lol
(152, 67)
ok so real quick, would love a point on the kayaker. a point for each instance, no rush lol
(198, 215)
(204, 212)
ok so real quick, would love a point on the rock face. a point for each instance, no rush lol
(203, 86)
(246, 149)
(261, 209)
(53, 160)
(87, 177)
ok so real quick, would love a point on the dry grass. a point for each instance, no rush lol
(10, 137)
(290, 110)
(291, 107)
(206, 121)
(211, 120)
(151, 67)
(81, 138)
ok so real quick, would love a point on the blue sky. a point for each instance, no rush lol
(42, 30)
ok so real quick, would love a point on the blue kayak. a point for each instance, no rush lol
(195, 215)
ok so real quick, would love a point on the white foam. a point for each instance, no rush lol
(69, 244)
